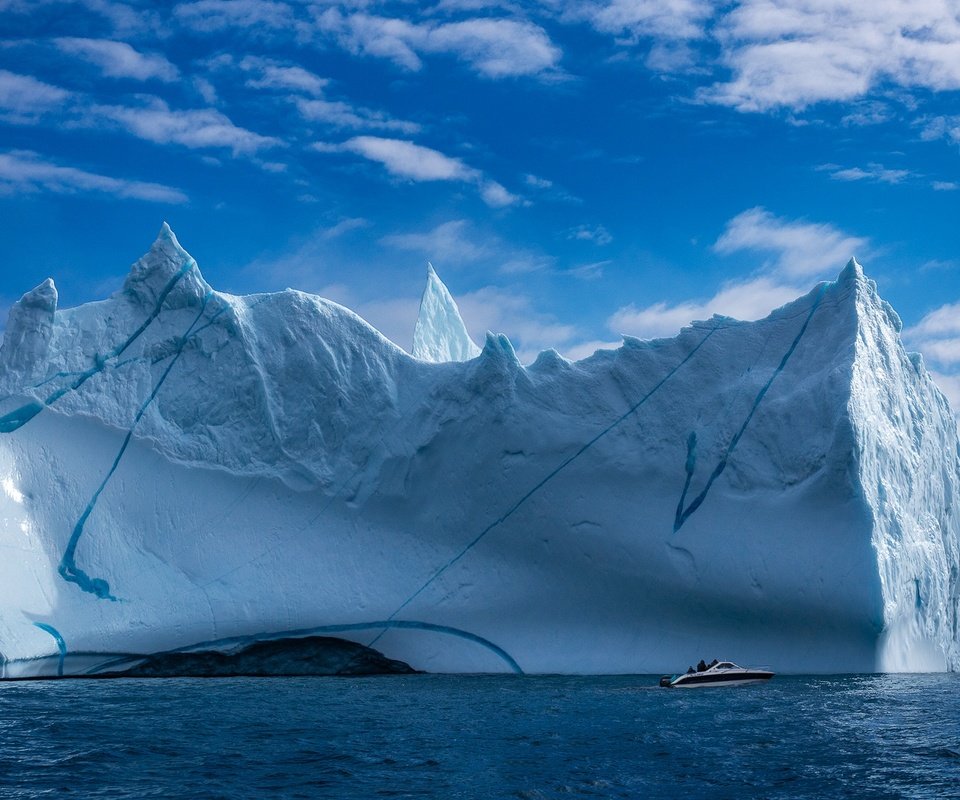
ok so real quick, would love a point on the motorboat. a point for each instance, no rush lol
(721, 673)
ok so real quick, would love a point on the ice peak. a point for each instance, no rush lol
(498, 347)
(851, 272)
(440, 334)
(43, 297)
(868, 302)
(166, 269)
(29, 329)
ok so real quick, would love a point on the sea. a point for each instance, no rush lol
(439, 736)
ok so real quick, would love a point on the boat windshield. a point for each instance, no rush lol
(726, 665)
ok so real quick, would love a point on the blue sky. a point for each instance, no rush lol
(574, 169)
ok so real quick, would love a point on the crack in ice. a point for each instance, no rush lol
(683, 514)
(68, 568)
(552, 474)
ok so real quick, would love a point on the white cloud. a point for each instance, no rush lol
(22, 171)
(793, 53)
(344, 227)
(307, 91)
(405, 159)
(941, 322)
(945, 186)
(634, 19)
(941, 128)
(536, 182)
(272, 74)
(450, 243)
(343, 115)
(950, 386)
(873, 172)
(119, 59)
(23, 99)
(581, 350)
(937, 337)
(798, 248)
(208, 16)
(495, 196)
(590, 233)
(796, 251)
(747, 300)
(502, 310)
(589, 272)
(125, 19)
(194, 128)
(493, 47)
(457, 243)
(496, 48)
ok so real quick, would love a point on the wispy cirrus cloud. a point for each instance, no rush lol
(405, 159)
(252, 16)
(24, 99)
(797, 248)
(268, 73)
(24, 171)
(458, 243)
(307, 91)
(590, 233)
(156, 122)
(941, 127)
(873, 173)
(635, 19)
(340, 114)
(492, 47)
(119, 59)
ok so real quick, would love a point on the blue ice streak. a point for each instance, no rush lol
(61, 644)
(68, 568)
(683, 514)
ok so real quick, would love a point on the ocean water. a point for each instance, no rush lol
(432, 736)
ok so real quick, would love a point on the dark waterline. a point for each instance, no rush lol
(876, 736)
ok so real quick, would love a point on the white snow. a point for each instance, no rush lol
(779, 492)
(440, 334)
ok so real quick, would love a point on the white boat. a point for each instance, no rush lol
(722, 673)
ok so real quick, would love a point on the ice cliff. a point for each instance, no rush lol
(181, 466)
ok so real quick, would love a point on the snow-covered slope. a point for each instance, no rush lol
(181, 466)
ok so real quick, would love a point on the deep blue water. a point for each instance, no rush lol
(481, 737)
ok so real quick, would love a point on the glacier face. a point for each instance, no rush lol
(181, 466)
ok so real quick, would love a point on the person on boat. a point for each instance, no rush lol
(712, 663)
(689, 670)
(702, 666)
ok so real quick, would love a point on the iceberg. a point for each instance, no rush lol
(182, 466)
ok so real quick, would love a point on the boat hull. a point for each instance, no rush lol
(701, 680)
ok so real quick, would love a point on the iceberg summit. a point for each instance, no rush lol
(183, 470)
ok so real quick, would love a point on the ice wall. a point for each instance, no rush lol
(181, 466)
